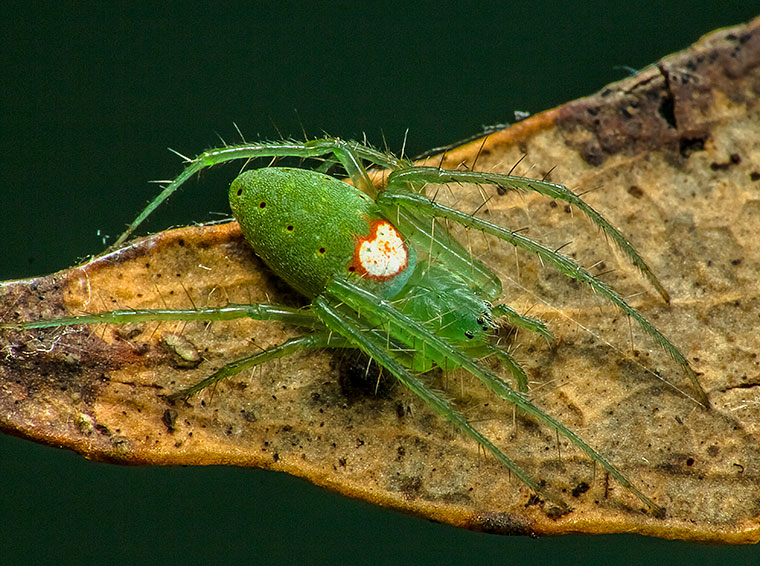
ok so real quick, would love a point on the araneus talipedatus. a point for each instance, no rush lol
(385, 276)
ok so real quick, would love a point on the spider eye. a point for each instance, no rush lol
(469, 334)
(480, 321)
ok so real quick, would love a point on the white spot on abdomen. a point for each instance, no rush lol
(382, 254)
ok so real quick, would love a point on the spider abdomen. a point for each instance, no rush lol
(309, 227)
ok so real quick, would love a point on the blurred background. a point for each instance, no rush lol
(91, 100)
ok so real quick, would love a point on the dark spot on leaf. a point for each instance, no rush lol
(169, 418)
(734, 159)
(360, 379)
(687, 145)
(580, 489)
(667, 110)
(635, 191)
(248, 415)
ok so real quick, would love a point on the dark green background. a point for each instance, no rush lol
(91, 99)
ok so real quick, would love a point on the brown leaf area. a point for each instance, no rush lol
(671, 156)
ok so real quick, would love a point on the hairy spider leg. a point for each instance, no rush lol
(522, 321)
(356, 297)
(517, 371)
(349, 153)
(394, 196)
(431, 236)
(434, 175)
(374, 346)
(256, 311)
(313, 340)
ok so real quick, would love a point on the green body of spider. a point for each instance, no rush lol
(385, 276)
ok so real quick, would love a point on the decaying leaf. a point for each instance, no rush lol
(671, 156)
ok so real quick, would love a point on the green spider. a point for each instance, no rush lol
(385, 276)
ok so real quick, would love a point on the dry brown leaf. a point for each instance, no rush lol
(673, 158)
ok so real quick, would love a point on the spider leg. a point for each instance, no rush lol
(298, 317)
(373, 345)
(314, 340)
(358, 298)
(440, 245)
(435, 175)
(522, 321)
(518, 373)
(560, 262)
(349, 153)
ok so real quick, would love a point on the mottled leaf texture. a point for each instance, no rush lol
(670, 155)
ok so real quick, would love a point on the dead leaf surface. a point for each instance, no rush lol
(671, 156)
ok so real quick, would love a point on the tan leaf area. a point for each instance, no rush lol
(671, 156)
